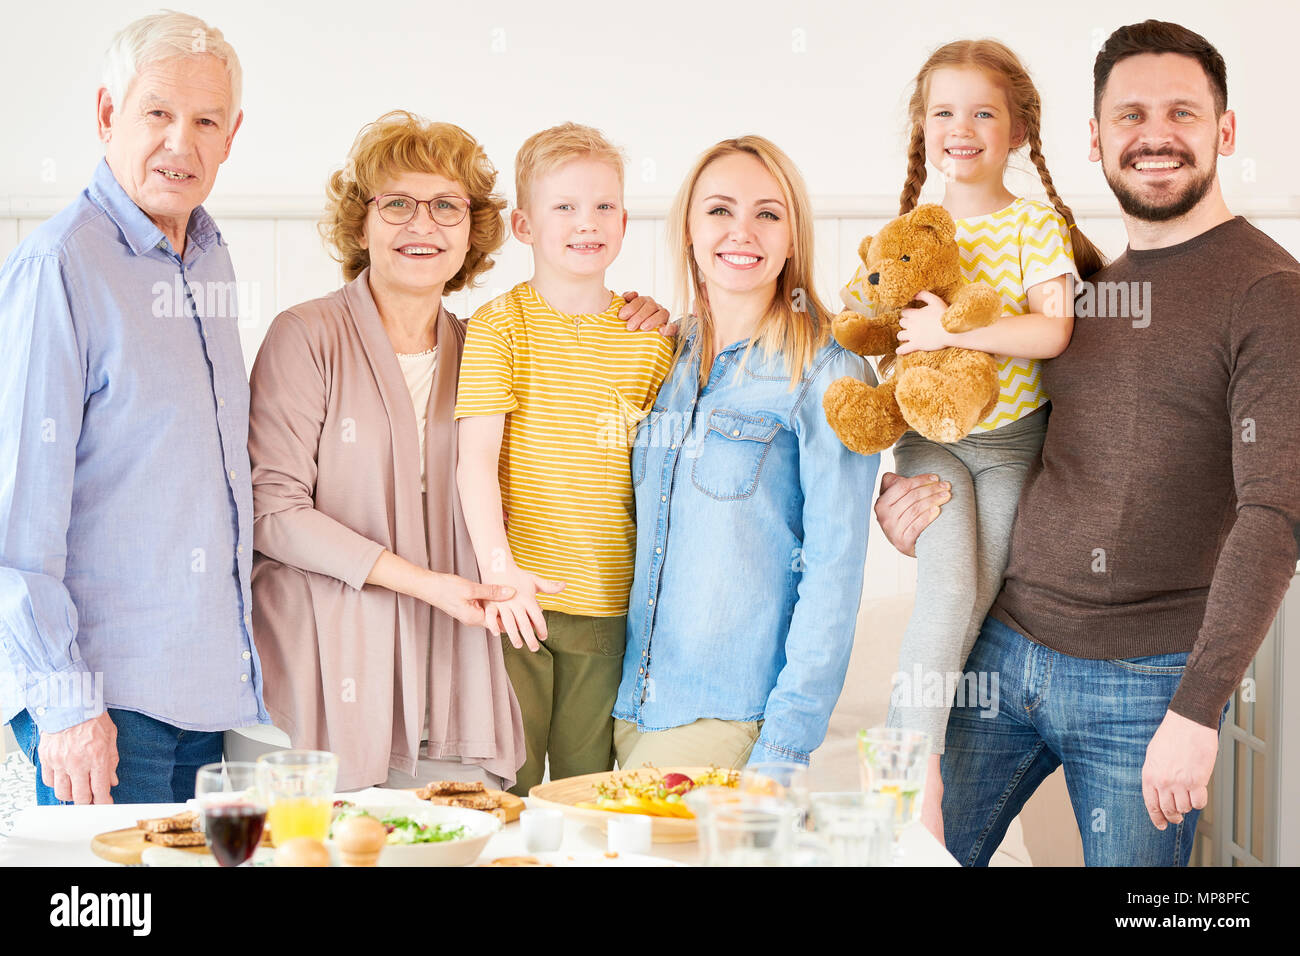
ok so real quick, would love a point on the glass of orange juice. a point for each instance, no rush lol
(299, 788)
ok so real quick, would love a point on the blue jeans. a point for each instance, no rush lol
(1095, 717)
(157, 763)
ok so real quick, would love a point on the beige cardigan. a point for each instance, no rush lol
(332, 439)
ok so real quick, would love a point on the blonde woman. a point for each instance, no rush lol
(370, 635)
(751, 515)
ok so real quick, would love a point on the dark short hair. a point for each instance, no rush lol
(1157, 36)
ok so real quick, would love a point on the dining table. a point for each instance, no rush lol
(57, 836)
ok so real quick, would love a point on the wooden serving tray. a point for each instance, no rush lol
(563, 794)
(125, 846)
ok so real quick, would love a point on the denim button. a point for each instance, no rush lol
(659, 550)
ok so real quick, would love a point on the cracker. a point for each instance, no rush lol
(182, 821)
(190, 838)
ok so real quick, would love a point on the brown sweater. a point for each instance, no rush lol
(1165, 513)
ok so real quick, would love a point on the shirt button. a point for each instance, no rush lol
(672, 447)
(40, 711)
(663, 497)
(248, 620)
(232, 475)
(659, 550)
(221, 402)
(243, 678)
(246, 655)
(239, 549)
(651, 602)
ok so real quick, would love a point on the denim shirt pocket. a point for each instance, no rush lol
(729, 458)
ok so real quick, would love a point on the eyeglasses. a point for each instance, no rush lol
(397, 209)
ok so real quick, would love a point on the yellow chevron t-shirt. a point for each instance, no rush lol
(573, 388)
(1011, 250)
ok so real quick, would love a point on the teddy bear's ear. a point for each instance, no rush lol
(863, 248)
(935, 217)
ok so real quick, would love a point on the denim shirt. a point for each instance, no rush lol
(752, 522)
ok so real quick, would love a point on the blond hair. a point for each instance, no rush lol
(400, 142)
(1026, 109)
(552, 148)
(797, 322)
(166, 36)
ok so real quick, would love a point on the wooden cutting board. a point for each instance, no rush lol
(125, 846)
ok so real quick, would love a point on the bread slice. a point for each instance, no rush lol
(470, 801)
(447, 788)
(190, 838)
(182, 821)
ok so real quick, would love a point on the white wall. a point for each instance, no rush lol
(827, 81)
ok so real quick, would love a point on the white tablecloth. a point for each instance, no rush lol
(60, 836)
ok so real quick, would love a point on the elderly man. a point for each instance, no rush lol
(126, 515)
(1157, 536)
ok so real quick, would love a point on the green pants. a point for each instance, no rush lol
(566, 690)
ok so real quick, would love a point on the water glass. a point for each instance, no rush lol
(856, 828)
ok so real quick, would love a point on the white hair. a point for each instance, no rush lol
(165, 36)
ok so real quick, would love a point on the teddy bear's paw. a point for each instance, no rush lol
(864, 335)
(932, 403)
(867, 420)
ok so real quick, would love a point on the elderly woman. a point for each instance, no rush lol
(370, 637)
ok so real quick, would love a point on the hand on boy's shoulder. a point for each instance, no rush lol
(644, 314)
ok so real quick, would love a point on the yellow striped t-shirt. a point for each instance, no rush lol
(1011, 250)
(573, 388)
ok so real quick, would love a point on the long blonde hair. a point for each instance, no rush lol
(797, 323)
(1026, 111)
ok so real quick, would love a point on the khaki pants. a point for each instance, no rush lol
(704, 743)
(566, 690)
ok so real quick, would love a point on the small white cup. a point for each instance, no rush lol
(629, 834)
(543, 829)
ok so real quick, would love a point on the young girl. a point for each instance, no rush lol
(751, 521)
(972, 105)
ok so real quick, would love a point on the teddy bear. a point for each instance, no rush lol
(941, 394)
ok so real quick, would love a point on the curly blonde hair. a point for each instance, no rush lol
(401, 142)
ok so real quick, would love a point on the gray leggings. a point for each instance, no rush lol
(961, 557)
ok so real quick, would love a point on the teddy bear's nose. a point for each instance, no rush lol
(874, 278)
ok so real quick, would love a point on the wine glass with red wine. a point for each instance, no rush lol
(234, 810)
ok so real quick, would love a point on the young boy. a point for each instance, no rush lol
(552, 385)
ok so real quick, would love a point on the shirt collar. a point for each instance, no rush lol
(734, 346)
(139, 231)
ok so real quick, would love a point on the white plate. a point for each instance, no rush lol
(479, 826)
